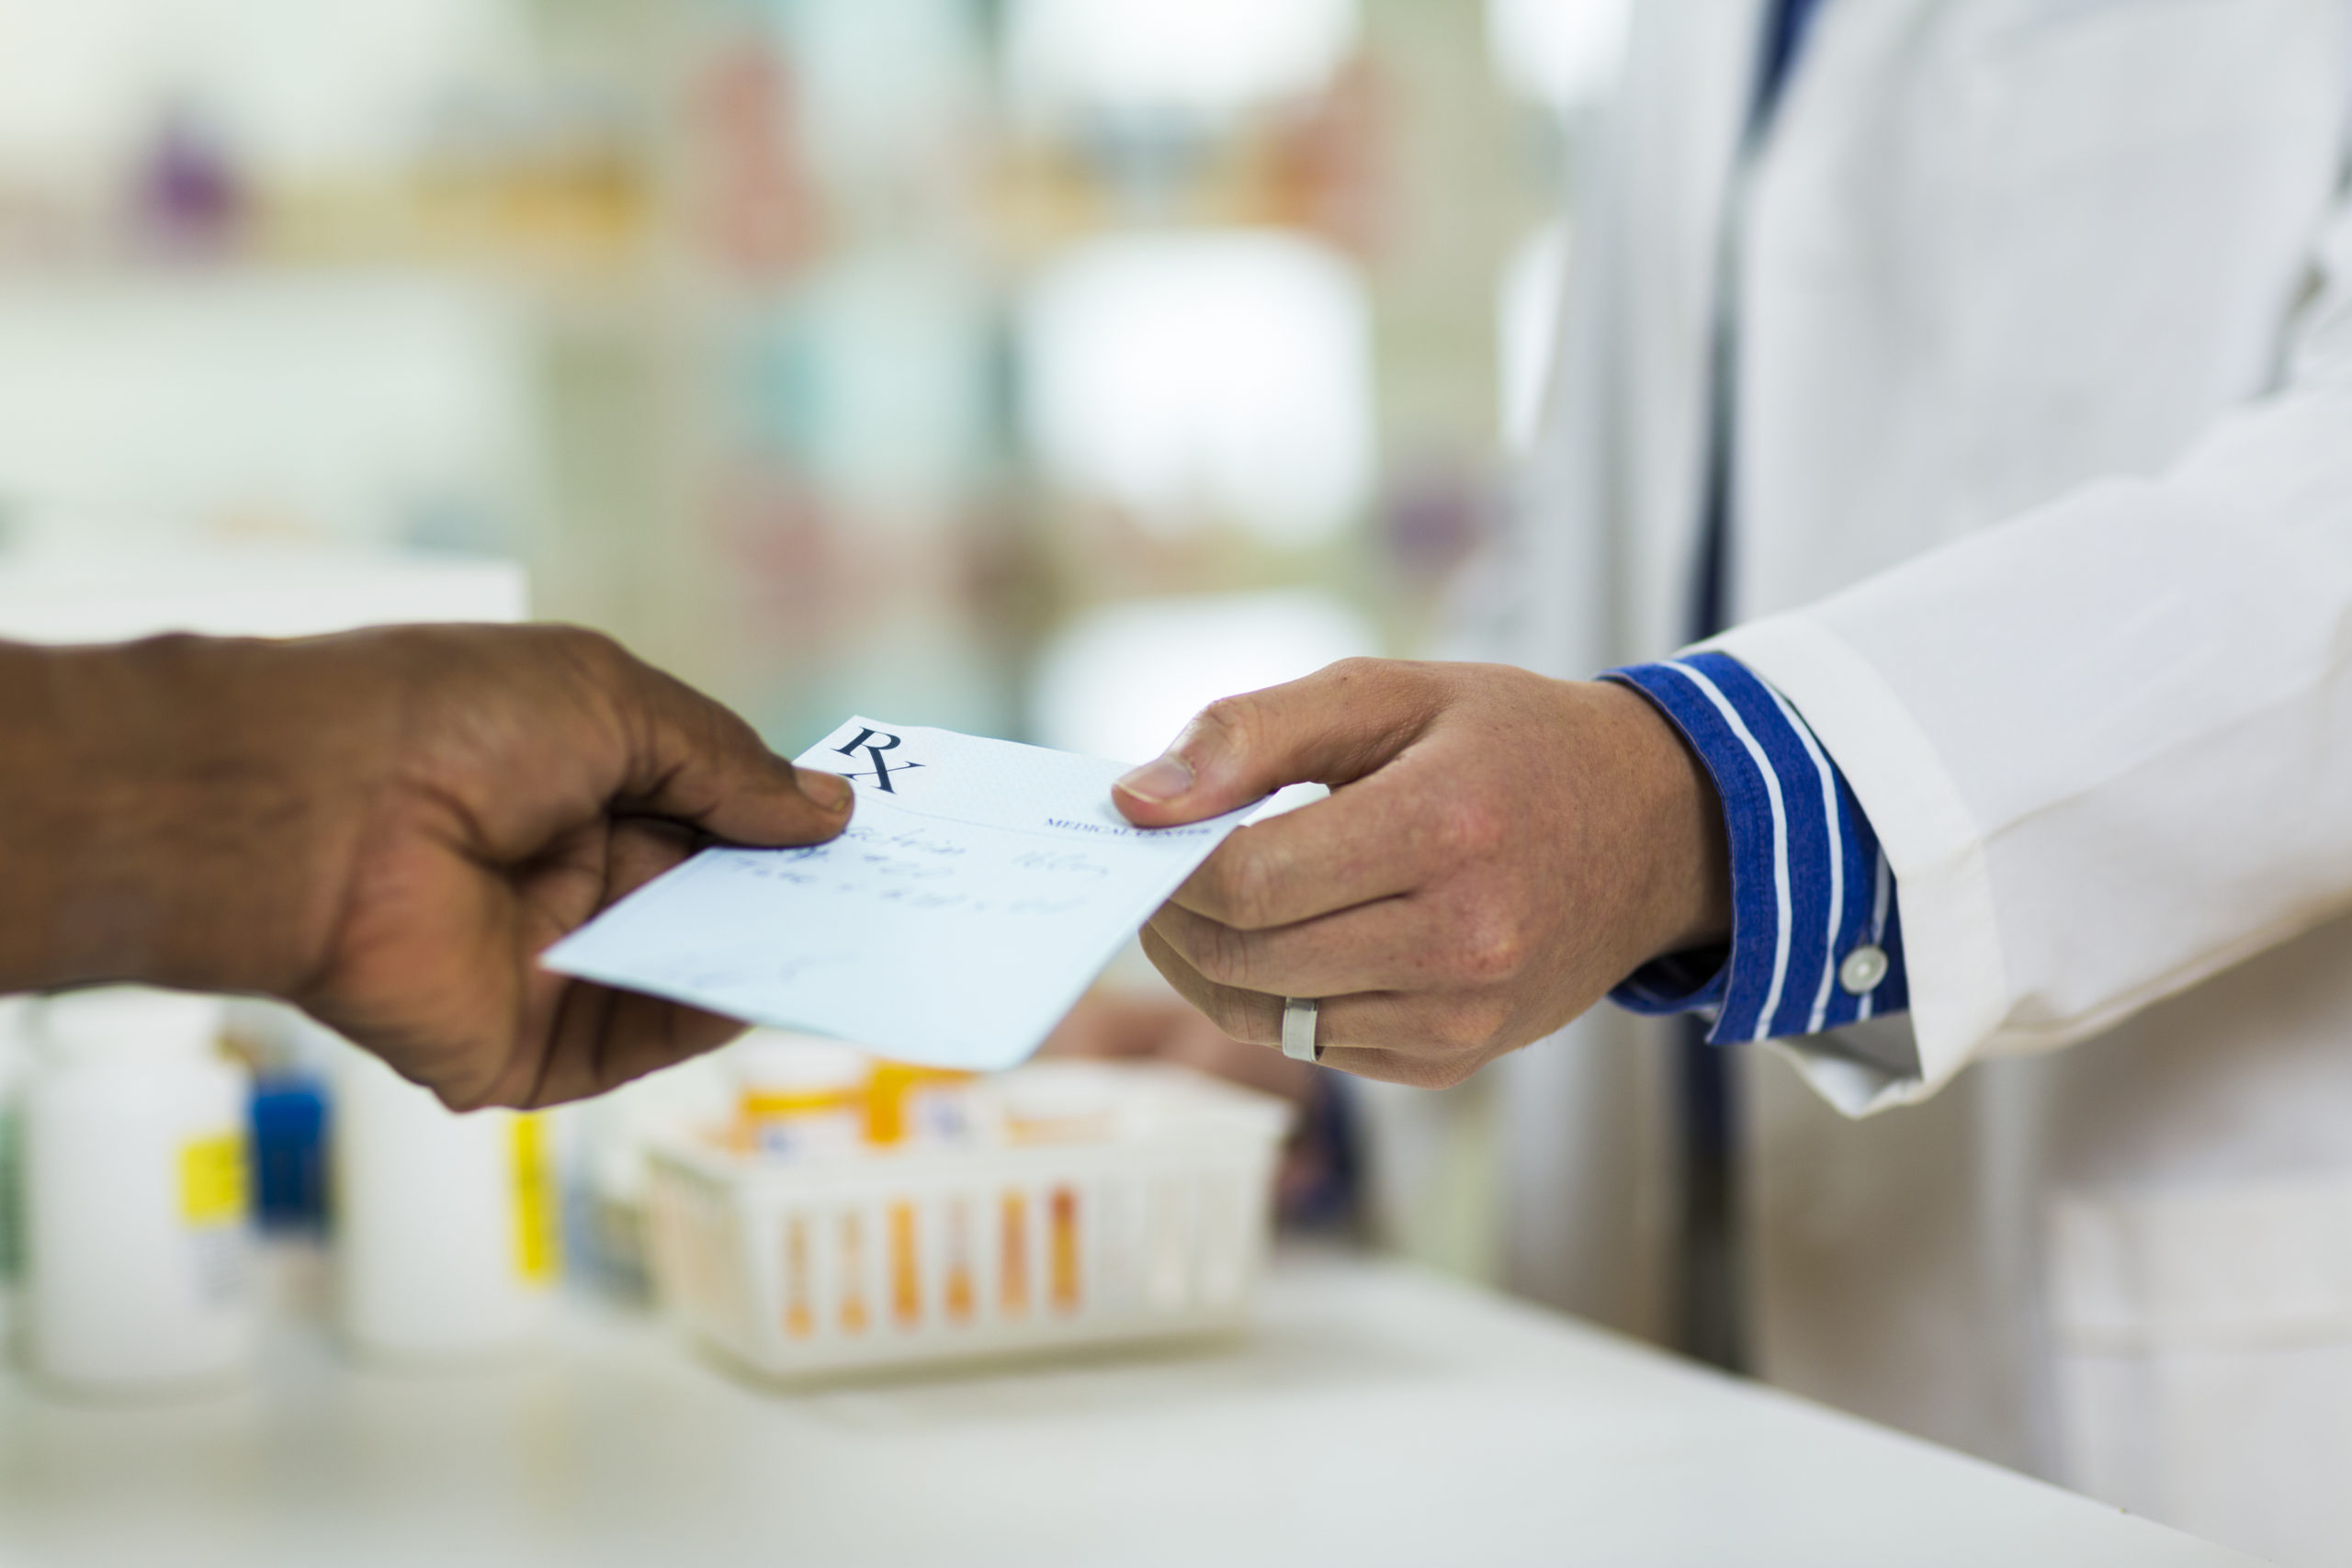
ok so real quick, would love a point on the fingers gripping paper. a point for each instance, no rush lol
(979, 890)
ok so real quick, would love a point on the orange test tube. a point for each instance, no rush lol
(1013, 1286)
(1064, 1213)
(906, 1277)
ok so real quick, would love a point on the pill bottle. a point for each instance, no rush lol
(139, 1272)
(798, 1096)
(445, 1229)
(14, 1063)
(1055, 1102)
(914, 1107)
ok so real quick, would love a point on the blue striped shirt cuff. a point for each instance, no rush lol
(1810, 885)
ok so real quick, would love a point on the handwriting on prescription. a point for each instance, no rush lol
(916, 870)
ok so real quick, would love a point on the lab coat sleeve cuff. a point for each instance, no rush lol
(1817, 934)
(1954, 970)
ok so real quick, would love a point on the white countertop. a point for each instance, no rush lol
(1375, 1416)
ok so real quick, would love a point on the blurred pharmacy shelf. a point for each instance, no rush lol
(840, 355)
(1374, 1415)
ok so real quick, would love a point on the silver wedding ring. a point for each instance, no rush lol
(1298, 1029)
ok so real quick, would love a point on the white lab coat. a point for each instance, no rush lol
(2045, 523)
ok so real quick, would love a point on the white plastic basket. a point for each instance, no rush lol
(1152, 1224)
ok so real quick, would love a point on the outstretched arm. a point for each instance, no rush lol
(385, 829)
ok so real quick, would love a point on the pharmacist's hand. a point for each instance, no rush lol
(1498, 851)
(387, 828)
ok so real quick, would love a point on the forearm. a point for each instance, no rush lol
(153, 825)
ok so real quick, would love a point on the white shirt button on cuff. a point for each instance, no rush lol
(1862, 970)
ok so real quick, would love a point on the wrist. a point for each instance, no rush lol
(157, 827)
(1683, 834)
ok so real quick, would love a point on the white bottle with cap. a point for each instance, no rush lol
(446, 1228)
(138, 1249)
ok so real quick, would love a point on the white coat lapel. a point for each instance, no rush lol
(1688, 92)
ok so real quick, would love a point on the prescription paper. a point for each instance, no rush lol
(980, 888)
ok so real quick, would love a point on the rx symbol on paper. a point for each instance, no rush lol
(873, 743)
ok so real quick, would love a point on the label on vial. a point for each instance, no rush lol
(536, 1245)
(212, 1180)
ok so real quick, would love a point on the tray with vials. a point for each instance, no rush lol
(919, 1218)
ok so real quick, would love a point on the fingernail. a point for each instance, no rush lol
(1159, 782)
(829, 790)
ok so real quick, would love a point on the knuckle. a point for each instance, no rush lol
(1209, 893)
(597, 652)
(1458, 1032)
(1233, 1018)
(1433, 1072)
(462, 1098)
(1452, 1072)
(1229, 723)
(564, 659)
(1469, 1029)
(1491, 951)
(1240, 890)
(1254, 890)
(1220, 954)
(1470, 828)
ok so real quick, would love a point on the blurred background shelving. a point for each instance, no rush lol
(1034, 366)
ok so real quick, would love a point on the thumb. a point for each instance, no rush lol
(1330, 728)
(693, 760)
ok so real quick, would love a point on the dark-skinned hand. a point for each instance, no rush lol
(385, 829)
